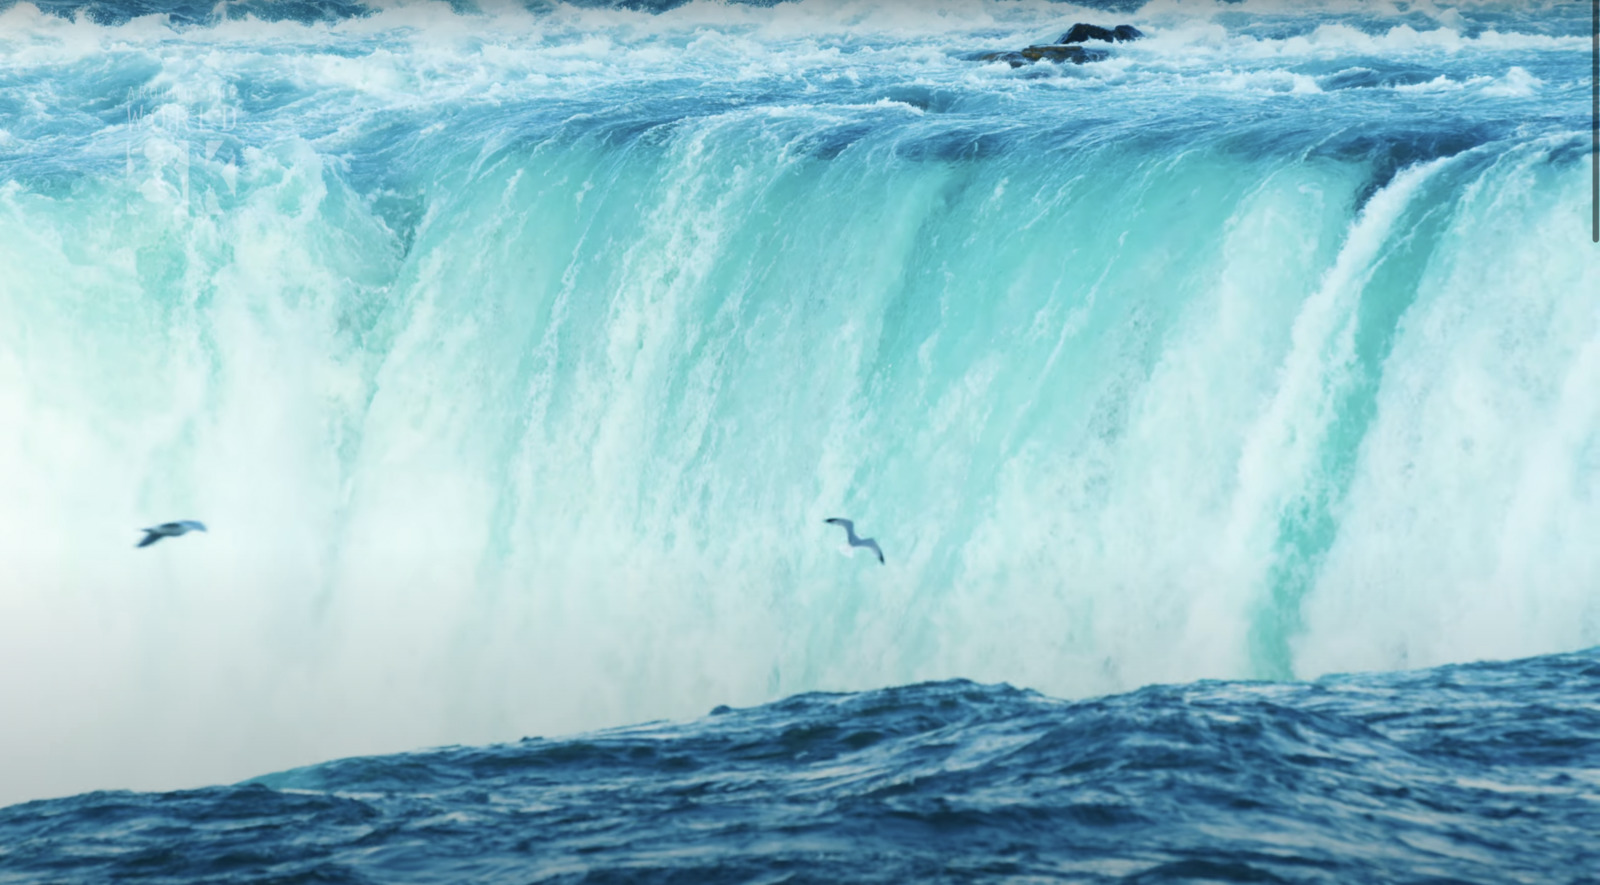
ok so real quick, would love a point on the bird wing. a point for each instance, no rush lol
(839, 520)
(150, 537)
(873, 544)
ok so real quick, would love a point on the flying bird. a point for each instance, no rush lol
(854, 539)
(170, 530)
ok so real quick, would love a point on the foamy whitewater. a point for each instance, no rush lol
(514, 357)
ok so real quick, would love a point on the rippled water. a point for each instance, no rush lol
(1486, 773)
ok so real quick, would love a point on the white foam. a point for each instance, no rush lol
(1517, 83)
(1479, 467)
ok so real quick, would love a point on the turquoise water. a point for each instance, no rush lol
(514, 359)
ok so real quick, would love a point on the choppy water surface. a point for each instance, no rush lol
(1487, 773)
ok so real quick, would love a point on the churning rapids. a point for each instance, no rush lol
(513, 357)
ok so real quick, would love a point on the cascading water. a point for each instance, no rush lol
(514, 359)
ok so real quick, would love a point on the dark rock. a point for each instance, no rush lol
(1058, 53)
(1011, 57)
(1065, 49)
(1082, 33)
(1046, 52)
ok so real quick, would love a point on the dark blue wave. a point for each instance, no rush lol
(205, 12)
(1550, 17)
(202, 12)
(1479, 773)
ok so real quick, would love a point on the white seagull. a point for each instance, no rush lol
(170, 530)
(855, 540)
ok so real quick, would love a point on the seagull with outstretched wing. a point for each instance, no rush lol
(854, 539)
(170, 530)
